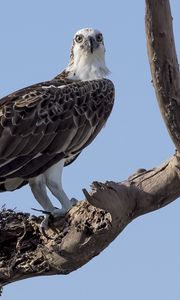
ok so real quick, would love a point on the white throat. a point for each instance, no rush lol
(87, 67)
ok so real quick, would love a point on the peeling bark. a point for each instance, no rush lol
(91, 225)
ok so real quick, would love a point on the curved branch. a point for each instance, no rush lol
(87, 229)
(164, 64)
(91, 225)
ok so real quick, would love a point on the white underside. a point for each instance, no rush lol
(88, 72)
(84, 67)
(88, 67)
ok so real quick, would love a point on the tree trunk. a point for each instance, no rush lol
(92, 225)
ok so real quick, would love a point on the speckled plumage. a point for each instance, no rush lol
(44, 127)
(43, 123)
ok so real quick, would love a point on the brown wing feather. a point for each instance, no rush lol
(46, 122)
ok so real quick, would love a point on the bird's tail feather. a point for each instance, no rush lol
(12, 184)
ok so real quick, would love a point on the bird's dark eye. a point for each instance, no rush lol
(99, 37)
(79, 38)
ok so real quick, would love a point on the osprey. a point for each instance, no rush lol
(45, 126)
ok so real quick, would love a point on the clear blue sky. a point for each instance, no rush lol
(144, 261)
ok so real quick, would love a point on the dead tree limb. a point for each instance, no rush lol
(91, 225)
(87, 229)
(164, 64)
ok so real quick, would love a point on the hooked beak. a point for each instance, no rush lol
(92, 44)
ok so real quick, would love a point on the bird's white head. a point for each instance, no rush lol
(87, 59)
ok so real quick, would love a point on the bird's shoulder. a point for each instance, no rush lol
(59, 89)
(59, 100)
(58, 83)
(32, 89)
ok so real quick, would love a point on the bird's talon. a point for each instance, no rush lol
(74, 201)
(42, 211)
(44, 223)
(49, 216)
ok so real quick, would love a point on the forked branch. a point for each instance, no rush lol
(91, 225)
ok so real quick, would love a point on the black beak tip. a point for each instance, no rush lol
(91, 41)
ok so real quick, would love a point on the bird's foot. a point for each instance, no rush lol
(51, 216)
(57, 212)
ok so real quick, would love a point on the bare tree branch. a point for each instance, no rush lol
(87, 229)
(164, 64)
(91, 225)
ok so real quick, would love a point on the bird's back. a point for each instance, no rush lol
(50, 121)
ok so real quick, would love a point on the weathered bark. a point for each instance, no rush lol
(87, 229)
(91, 225)
(164, 64)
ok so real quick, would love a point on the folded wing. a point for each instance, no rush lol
(50, 121)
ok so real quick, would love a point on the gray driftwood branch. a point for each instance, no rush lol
(91, 225)
(164, 64)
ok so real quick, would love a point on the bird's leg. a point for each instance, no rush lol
(53, 181)
(39, 191)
